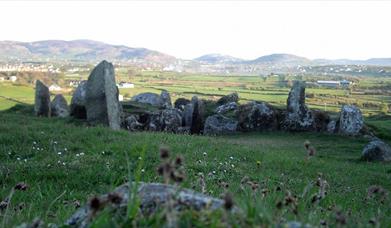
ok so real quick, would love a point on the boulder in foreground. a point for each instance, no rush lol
(102, 104)
(42, 99)
(152, 196)
(377, 150)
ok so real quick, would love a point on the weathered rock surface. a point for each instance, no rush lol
(42, 100)
(350, 120)
(232, 97)
(102, 103)
(298, 116)
(132, 123)
(59, 106)
(219, 125)
(180, 103)
(165, 99)
(152, 196)
(377, 150)
(232, 106)
(194, 115)
(162, 101)
(331, 126)
(148, 98)
(321, 120)
(257, 116)
(78, 102)
(170, 120)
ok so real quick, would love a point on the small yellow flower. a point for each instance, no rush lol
(258, 163)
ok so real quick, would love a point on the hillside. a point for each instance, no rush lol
(218, 59)
(64, 163)
(79, 50)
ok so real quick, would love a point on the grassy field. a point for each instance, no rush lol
(63, 162)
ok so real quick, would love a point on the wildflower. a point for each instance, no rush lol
(204, 154)
(81, 154)
(77, 155)
(18, 159)
(164, 153)
(63, 163)
(59, 153)
(231, 158)
(233, 166)
(258, 163)
(25, 160)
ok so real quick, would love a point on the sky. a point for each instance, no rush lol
(188, 29)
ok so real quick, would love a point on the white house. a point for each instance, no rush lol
(13, 78)
(333, 84)
(54, 88)
(125, 85)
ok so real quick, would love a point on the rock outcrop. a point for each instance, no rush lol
(219, 125)
(257, 116)
(298, 116)
(78, 102)
(232, 97)
(132, 123)
(165, 99)
(42, 100)
(152, 196)
(377, 150)
(350, 120)
(59, 106)
(102, 103)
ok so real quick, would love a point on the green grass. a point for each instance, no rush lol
(57, 174)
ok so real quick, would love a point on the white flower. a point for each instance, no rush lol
(18, 159)
(65, 149)
(81, 154)
(231, 158)
(25, 160)
(103, 152)
(59, 153)
(143, 170)
(63, 163)
(204, 154)
(9, 153)
(214, 172)
(77, 155)
(232, 166)
(34, 142)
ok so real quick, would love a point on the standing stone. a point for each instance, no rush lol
(257, 116)
(78, 102)
(102, 103)
(377, 150)
(193, 116)
(219, 125)
(59, 106)
(298, 116)
(165, 99)
(350, 120)
(42, 99)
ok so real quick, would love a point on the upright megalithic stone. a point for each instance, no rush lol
(42, 99)
(102, 104)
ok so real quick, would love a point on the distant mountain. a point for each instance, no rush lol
(217, 59)
(81, 50)
(281, 59)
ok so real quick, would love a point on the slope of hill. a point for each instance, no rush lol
(281, 59)
(82, 50)
(218, 58)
